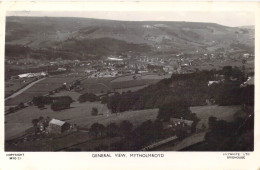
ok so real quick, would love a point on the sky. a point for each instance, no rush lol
(231, 19)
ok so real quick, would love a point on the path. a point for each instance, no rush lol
(24, 89)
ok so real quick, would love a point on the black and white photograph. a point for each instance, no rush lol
(171, 81)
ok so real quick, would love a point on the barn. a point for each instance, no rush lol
(58, 126)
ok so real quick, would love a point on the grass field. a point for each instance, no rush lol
(132, 89)
(59, 79)
(79, 113)
(19, 121)
(98, 85)
(220, 112)
(132, 83)
(155, 76)
(14, 85)
(41, 88)
(72, 94)
(141, 76)
(123, 78)
(95, 88)
(24, 97)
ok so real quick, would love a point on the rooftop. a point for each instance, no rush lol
(57, 122)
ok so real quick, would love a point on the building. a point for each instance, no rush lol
(58, 126)
(30, 75)
(175, 123)
(248, 82)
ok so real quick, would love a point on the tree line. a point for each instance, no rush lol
(190, 88)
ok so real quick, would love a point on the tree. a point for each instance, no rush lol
(227, 71)
(41, 106)
(60, 103)
(125, 128)
(41, 100)
(212, 122)
(21, 105)
(94, 111)
(104, 99)
(181, 133)
(112, 130)
(97, 130)
(11, 109)
(176, 109)
(87, 97)
(77, 83)
(34, 122)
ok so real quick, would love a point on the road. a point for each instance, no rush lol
(24, 89)
(188, 141)
(159, 143)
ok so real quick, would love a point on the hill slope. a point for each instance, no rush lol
(82, 36)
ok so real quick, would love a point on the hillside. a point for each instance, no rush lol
(81, 37)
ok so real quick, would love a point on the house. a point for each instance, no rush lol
(175, 123)
(58, 126)
(249, 81)
(213, 82)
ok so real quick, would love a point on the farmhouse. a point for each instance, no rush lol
(58, 126)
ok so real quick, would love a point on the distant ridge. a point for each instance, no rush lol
(71, 37)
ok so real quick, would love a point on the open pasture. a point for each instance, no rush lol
(220, 112)
(18, 122)
(79, 113)
(23, 97)
(132, 83)
(72, 94)
(132, 89)
(59, 79)
(130, 77)
(43, 87)
(14, 85)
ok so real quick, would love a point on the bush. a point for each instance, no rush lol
(42, 100)
(94, 111)
(176, 109)
(60, 103)
(87, 97)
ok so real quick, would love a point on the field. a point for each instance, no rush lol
(40, 88)
(220, 112)
(73, 95)
(140, 77)
(95, 88)
(14, 85)
(132, 83)
(23, 97)
(59, 79)
(79, 113)
(155, 76)
(132, 89)
(119, 84)
(89, 85)
(96, 85)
